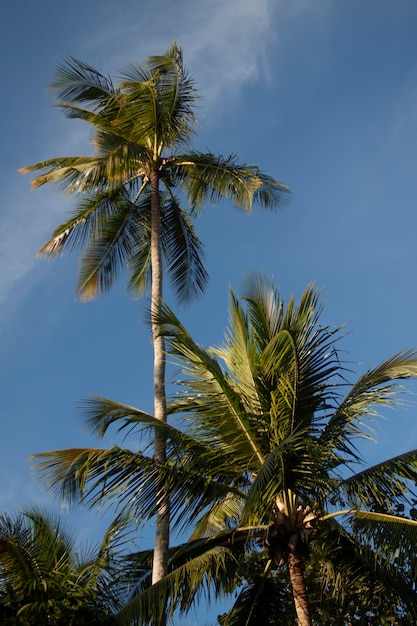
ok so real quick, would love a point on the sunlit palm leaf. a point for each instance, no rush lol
(70, 173)
(206, 178)
(377, 388)
(380, 484)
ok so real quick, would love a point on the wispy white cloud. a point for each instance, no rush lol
(29, 217)
(225, 43)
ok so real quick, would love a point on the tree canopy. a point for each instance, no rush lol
(264, 458)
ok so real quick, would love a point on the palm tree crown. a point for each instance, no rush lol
(142, 128)
(267, 457)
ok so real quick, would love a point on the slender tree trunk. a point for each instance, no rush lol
(296, 569)
(160, 559)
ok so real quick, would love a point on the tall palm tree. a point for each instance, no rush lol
(268, 458)
(45, 579)
(127, 214)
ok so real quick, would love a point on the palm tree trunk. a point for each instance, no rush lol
(160, 560)
(296, 568)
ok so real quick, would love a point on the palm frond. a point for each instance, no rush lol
(277, 475)
(214, 403)
(95, 475)
(163, 83)
(240, 355)
(203, 566)
(376, 388)
(71, 174)
(76, 82)
(83, 224)
(183, 251)
(109, 250)
(224, 512)
(206, 178)
(384, 484)
(100, 413)
(391, 532)
(262, 601)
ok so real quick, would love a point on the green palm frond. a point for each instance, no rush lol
(76, 82)
(69, 173)
(391, 480)
(348, 563)
(206, 178)
(133, 481)
(95, 476)
(181, 587)
(183, 251)
(377, 388)
(262, 601)
(112, 238)
(204, 566)
(164, 82)
(125, 160)
(240, 355)
(224, 512)
(215, 395)
(389, 533)
(44, 579)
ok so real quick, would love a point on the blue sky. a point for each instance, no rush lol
(323, 95)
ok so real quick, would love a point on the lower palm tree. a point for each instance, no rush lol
(45, 580)
(265, 454)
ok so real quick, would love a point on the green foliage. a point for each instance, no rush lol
(45, 580)
(264, 457)
(142, 129)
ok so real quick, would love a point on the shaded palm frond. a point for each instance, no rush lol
(95, 476)
(44, 579)
(110, 245)
(76, 82)
(353, 572)
(125, 159)
(133, 481)
(100, 413)
(200, 567)
(183, 251)
(223, 513)
(84, 224)
(265, 600)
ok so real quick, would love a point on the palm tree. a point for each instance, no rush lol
(44, 579)
(127, 215)
(267, 459)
